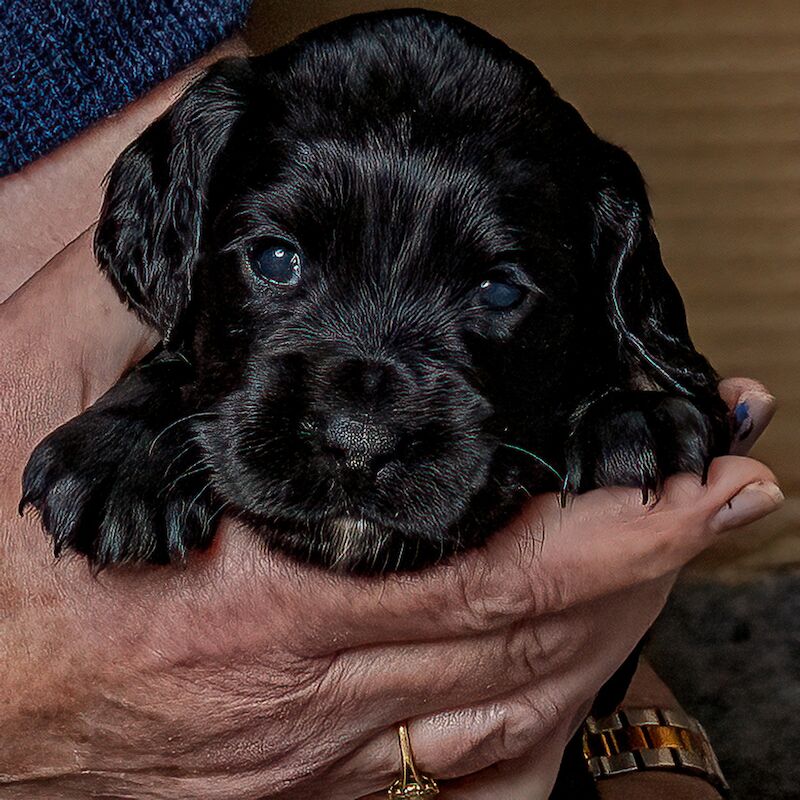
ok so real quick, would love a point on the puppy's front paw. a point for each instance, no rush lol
(639, 439)
(107, 485)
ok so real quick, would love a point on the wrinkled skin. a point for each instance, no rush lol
(248, 675)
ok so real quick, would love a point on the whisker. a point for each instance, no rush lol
(181, 453)
(192, 469)
(402, 550)
(178, 422)
(193, 501)
(564, 490)
(536, 458)
(210, 521)
(385, 565)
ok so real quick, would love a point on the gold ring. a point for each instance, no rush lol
(412, 785)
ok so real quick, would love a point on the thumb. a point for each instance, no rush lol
(69, 319)
(65, 339)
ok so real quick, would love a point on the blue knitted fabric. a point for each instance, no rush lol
(66, 63)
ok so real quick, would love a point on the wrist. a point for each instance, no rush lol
(655, 786)
(647, 691)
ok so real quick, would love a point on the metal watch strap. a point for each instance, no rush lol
(637, 739)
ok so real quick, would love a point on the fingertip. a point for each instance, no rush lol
(731, 389)
(726, 477)
(751, 503)
(739, 491)
(752, 414)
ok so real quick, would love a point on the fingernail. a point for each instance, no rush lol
(750, 417)
(742, 420)
(756, 500)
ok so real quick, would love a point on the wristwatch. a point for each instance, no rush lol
(639, 739)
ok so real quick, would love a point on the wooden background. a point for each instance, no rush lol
(706, 96)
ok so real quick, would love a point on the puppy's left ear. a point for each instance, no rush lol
(148, 237)
(644, 307)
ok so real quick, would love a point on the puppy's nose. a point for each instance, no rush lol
(358, 444)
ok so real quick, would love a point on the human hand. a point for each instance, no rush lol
(752, 408)
(52, 200)
(249, 675)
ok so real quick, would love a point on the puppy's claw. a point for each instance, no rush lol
(638, 439)
(23, 504)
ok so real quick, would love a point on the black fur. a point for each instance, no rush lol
(408, 156)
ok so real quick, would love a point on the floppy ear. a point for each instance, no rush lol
(148, 236)
(644, 307)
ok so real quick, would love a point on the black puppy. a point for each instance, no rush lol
(400, 285)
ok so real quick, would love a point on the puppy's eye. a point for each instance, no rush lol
(500, 294)
(277, 262)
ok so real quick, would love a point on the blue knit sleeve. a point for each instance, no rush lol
(66, 63)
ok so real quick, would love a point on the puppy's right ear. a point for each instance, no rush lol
(148, 236)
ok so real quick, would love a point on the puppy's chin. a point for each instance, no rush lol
(357, 544)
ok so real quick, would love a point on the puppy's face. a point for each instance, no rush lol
(380, 317)
(388, 260)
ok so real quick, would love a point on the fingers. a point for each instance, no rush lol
(547, 560)
(648, 542)
(530, 777)
(731, 389)
(538, 720)
(752, 407)
(462, 743)
(450, 744)
(511, 747)
(384, 684)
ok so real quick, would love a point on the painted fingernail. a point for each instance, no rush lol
(742, 421)
(750, 417)
(756, 500)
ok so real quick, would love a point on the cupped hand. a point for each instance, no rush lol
(249, 675)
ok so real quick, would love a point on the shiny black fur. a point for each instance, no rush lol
(408, 156)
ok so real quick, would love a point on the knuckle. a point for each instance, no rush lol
(481, 743)
(501, 731)
(481, 609)
(491, 598)
(517, 727)
(531, 719)
(554, 591)
(531, 647)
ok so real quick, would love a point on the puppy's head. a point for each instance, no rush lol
(399, 263)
